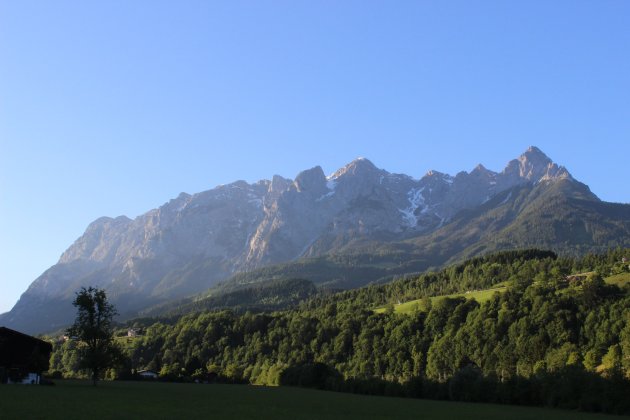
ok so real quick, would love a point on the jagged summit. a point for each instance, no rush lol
(533, 165)
(535, 157)
(535, 151)
(312, 179)
(434, 173)
(482, 169)
(358, 166)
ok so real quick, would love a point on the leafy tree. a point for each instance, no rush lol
(591, 360)
(612, 360)
(92, 328)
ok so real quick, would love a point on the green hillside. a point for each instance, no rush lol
(544, 339)
(266, 296)
(480, 296)
(620, 280)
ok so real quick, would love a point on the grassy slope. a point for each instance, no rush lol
(479, 295)
(619, 280)
(120, 400)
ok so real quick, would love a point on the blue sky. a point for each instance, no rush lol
(110, 108)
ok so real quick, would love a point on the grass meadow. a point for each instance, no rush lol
(155, 400)
(620, 280)
(413, 305)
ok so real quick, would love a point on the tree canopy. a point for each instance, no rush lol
(93, 331)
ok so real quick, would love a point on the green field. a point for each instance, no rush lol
(412, 305)
(618, 279)
(139, 400)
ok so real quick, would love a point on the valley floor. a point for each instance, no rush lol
(133, 400)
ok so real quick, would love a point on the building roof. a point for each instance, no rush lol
(19, 349)
(8, 332)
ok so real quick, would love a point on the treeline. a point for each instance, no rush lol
(547, 340)
(524, 266)
(572, 387)
(268, 296)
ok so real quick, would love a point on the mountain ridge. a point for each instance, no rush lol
(194, 241)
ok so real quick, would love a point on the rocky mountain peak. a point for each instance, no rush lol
(556, 172)
(90, 245)
(433, 176)
(533, 166)
(177, 204)
(311, 180)
(278, 184)
(533, 150)
(359, 166)
(481, 169)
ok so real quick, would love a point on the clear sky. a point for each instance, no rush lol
(114, 107)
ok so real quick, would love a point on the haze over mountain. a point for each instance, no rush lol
(194, 241)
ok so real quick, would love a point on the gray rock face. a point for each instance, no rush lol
(241, 226)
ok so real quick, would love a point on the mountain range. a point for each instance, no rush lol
(357, 225)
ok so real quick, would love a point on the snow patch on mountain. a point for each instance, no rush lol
(331, 184)
(416, 199)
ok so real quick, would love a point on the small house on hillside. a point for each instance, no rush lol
(134, 332)
(575, 278)
(22, 358)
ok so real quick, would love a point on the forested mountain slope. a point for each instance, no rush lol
(550, 339)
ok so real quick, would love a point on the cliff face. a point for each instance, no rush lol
(193, 241)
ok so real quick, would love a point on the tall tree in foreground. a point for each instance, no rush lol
(92, 328)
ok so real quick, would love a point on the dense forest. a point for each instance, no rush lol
(266, 296)
(559, 335)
